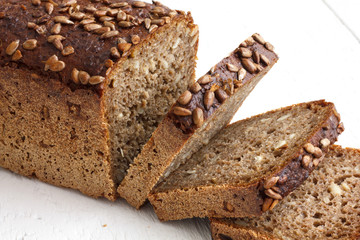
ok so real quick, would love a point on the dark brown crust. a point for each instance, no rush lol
(91, 52)
(229, 200)
(223, 78)
(170, 137)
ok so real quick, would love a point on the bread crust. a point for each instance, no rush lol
(176, 133)
(246, 200)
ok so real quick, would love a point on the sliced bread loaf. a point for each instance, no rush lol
(326, 206)
(200, 112)
(250, 165)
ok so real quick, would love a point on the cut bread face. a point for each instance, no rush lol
(250, 165)
(326, 206)
(200, 112)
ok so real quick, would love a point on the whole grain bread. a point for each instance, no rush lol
(249, 166)
(83, 84)
(326, 206)
(200, 112)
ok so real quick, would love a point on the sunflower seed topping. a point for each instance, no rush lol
(84, 77)
(195, 88)
(49, 8)
(135, 39)
(30, 44)
(96, 80)
(13, 46)
(185, 98)
(139, 4)
(16, 56)
(271, 193)
(232, 67)
(269, 183)
(92, 26)
(264, 60)
(241, 74)
(209, 99)
(67, 51)
(249, 65)
(245, 52)
(221, 95)
(56, 29)
(75, 75)
(205, 79)
(257, 37)
(63, 20)
(256, 57)
(269, 46)
(181, 111)
(110, 34)
(198, 117)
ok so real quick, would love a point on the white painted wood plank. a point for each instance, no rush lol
(348, 12)
(318, 59)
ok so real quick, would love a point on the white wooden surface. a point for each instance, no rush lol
(318, 45)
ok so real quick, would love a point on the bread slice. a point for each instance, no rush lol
(326, 206)
(250, 165)
(200, 112)
(83, 84)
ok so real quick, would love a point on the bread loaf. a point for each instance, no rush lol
(83, 84)
(249, 166)
(200, 112)
(326, 206)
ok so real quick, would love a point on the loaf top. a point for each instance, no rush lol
(76, 41)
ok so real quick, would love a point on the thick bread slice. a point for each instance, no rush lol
(250, 165)
(326, 206)
(199, 114)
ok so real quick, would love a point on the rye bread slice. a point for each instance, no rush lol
(326, 206)
(250, 165)
(200, 112)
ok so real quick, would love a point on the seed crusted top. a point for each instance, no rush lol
(83, 35)
(221, 81)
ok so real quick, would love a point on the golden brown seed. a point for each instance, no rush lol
(243, 44)
(105, 18)
(273, 204)
(87, 21)
(257, 37)
(325, 143)
(102, 30)
(112, 12)
(51, 61)
(158, 21)
(181, 111)
(205, 79)
(124, 47)
(269, 183)
(256, 57)
(36, 2)
(195, 88)
(84, 77)
(309, 148)
(172, 13)
(121, 16)
(57, 43)
(249, 65)
(135, 39)
(110, 25)
(90, 9)
(57, 66)
(31, 25)
(16, 56)
(75, 75)
(52, 38)
(198, 117)
(241, 74)
(158, 10)
(209, 99)
(269, 46)
(96, 80)
(317, 152)
(139, 4)
(13, 46)
(63, 20)
(306, 160)
(267, 203)
(109, 63)
(147, 23)
(68, 51)
(49, 8)
(92, 26)
(125, 24)
(114, 52)
(250, 41)
(153, 28)
(264, 60)
(30, 44)
(316, 162)
(232, 67)
(185, 98)
(221, 95)
(77, 15)
(56, 29)
(119, 5)
(109, 34)
(245, 52)
(271, 193)
(100, 13)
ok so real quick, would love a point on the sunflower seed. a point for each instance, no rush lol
(167, 19)
(147, 23)
(75, 75)
(181, 111)
(109, 63)
(306, 160)
(257, 37)
(125, 24)
(325, 143)
(269, 46)
(271, 193)
(198, 117)
(87, 21)
(56, 29)
(63, 10)
(84, 77)
(153, 28)
(139, 4)
(248, 65)
(91, 27)
(316, 162)
(232, 67)
(241, 74)
(96, 80)
(270, 182)
(172, 13)
(124, 47)
(49, 8)
(102, 30)
(204, 79)
(41, 29)
(195, 88)
(209, 99)
(112, 12)
(243, 44)
(109, 34)
(185, 98)
(121, 16)
(317, 152)
(16, 56)
(63, 20)
(77, 15)
(57, 66)
(245, 52)
(100, 13)
(13, 46)
(158, 21)
(114, 52)
(264, 60)
(249, 41)
(221, 95)
(267, 203)
(90, 9)
(119, 5)
(273, 204)
(68, 51)
(158, 10)
(256, 57)
(309, 148)
(110, 25)
(30, 44)
(31, 25)
(57, 43)
(51, 61)
(52, 38)
(105, 18)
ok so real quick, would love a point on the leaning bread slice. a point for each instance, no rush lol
(250, 165)
(200, 112)
(326, 206)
